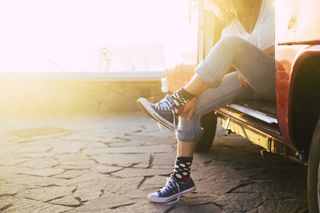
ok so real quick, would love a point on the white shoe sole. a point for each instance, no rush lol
(145, 106)
(171, 198)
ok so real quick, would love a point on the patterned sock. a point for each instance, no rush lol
(182, 96)
(182, 168)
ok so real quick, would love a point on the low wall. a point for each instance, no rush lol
(74, 96)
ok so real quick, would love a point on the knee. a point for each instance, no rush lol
(189, 130)
(231, 41)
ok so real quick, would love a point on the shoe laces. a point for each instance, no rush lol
(166, 104)
(170, 185)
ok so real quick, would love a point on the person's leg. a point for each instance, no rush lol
(227, 92)
(230, 51)
(256, 67)
(196, 85)
(189, 132)
(186, 148)
(184, 159)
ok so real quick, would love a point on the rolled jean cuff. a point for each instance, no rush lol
(205, 74)
(191, 135)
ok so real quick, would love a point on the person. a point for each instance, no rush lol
(247, 44)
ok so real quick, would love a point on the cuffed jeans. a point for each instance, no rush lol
(255, 66)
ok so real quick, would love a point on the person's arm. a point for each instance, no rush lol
(189, 109)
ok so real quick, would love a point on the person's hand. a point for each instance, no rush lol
(189, 109)
(242, 81)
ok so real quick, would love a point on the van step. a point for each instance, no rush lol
(266, 107)
(254, 113)
(256, 119)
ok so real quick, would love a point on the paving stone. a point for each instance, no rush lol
(100, 145)
(67, 148)
(237, 202)
(92, 176)
(123, 159)
(151, 138)
(6, 202)
(198, 199)
(73, 157)
(84, 137)
(33, 148)
(88, 191)
(153, 183)
(11, 161)
(272, 186)
(162, 148)
(289, 205)
(71, 174)
(36, 155)
(107, 169)
(231, 176)
(217, 186)
(91, 151)
(79, 165)
(40, 132)
(32, 181)
(48, 193)
(135, 172)
(163, 160)
(121, 185)
(46, 172)
(40, 163)
(6, 172)
(210, 207)
(143, 206)
(7, 151)
(66, 201)
(9, 189)
(32, 206)
(75, 161)
(128, 143)
(104, 204)
(213, 172)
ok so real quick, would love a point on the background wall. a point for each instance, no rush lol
(58, 96)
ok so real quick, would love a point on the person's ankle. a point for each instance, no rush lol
(182, 96)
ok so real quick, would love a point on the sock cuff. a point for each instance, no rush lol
(185, 94)
(184, 159)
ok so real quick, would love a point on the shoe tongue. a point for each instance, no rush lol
(170, 100)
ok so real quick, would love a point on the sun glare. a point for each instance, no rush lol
(95, 35)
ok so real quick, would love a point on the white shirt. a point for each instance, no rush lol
(262, 35)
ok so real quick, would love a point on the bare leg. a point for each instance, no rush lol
(186, 148)
(196, 85)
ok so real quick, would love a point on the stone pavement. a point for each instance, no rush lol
(109, 163)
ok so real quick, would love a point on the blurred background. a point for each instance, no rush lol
(91, 56)
(96, 35)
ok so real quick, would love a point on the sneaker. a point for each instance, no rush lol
(172, 191)
(163, 112)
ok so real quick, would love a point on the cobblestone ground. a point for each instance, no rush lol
(110, 163)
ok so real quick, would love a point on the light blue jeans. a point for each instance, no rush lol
(255, 66)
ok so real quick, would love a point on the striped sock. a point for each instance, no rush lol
(182, 97)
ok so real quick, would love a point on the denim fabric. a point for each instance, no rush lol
(253, 64)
